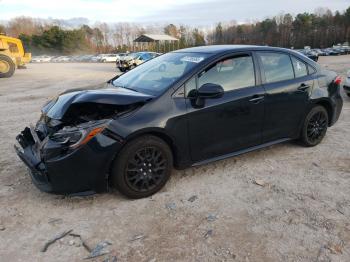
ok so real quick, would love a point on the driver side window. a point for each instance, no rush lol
(230, 73)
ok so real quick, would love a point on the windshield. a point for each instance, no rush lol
(156, 75)
(132, 55)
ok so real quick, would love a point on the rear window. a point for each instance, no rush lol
(300, 68)
(277, 66)
(311, 70)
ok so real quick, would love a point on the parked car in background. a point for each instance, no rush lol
(347, 49)
(132, 60)
(331, 51)
(309, 53)
(121, 56)
(319, 52)
(344, 51)
(41, 59)
(85, 58)
(346, 85)
(103, 58)
(109, 58)
(181, 109)
(96, 58)
(61, 59)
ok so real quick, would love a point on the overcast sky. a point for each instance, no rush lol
(195, 12)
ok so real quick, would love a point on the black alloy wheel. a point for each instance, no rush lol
(142, 167)
(315, 126)
(146, 169)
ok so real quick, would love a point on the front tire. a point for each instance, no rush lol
(142, 167)
(7, 66)
(315, 126)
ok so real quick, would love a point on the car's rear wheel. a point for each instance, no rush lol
(315, 126)
(142, 167)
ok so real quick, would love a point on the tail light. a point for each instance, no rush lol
(338, 80)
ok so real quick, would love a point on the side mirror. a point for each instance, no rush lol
(210, 90)
(206, 91)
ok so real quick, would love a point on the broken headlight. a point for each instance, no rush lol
(67, 137)
(78, 135)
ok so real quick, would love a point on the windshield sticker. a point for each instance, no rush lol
(192, 59)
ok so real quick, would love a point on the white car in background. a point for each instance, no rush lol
(41, 59)
(109, 58)
(104, 58)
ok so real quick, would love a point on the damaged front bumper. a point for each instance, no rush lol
(29, 155)
(56, 169)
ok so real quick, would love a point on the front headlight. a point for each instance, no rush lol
(79, 135)
(67, 137)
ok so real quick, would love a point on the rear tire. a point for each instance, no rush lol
(314, 127)
(8, 65)
(142, 167)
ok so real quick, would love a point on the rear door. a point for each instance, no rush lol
(232, 122)
(288, 85)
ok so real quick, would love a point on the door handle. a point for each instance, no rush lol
(303, 87)
(256, 98)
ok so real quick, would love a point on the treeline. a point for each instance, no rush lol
(40, 37)
(319, 29)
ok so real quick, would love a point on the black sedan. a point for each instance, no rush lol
(181, 109)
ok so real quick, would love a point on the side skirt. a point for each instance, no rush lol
(240, 152)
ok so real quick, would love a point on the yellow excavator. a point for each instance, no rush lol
(12, 55)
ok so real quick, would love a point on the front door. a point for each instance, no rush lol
(230, 123)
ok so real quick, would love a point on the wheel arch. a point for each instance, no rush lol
(160, 133)
(328, 106)
(157, 132)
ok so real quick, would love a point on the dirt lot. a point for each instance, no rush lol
(301, 213)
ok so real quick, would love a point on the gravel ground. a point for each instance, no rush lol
(216, 212)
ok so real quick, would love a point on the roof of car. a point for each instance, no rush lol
(224, 48)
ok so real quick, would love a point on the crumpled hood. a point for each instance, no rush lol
(115, 96)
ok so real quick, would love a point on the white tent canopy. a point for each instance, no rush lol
(164, 42)
(146, 38)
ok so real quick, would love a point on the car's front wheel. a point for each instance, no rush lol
(315, 126)
(142, 167)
